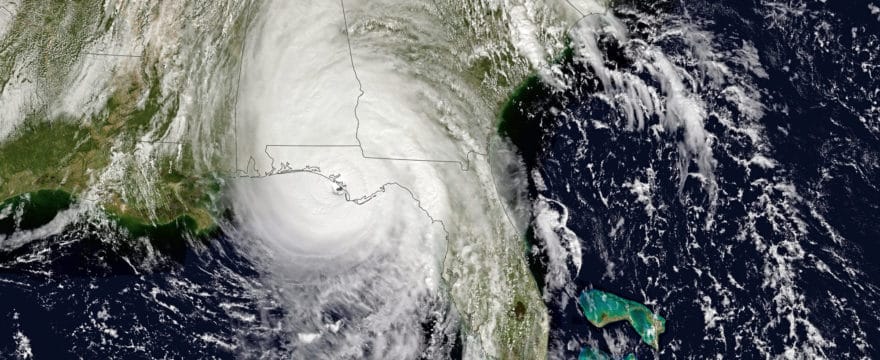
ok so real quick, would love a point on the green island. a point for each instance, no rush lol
(589, 353)
(522, 120)
(603, 308)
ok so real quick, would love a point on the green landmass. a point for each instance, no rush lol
(589, 353)
(520, 121)
(516, 123)
(68, 155)
(49, 35)
(52, 152)
(603, 308)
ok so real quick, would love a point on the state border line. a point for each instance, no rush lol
(111, 54)
(464, 165)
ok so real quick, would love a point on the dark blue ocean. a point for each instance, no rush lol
(90, 294)
(743, 209)
(766, 247)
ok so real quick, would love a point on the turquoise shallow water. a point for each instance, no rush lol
(602, 308)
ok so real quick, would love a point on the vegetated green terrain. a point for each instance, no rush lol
(521, 124)
(69, 155)
(42, 49)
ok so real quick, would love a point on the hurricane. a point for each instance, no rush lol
(443, 179)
